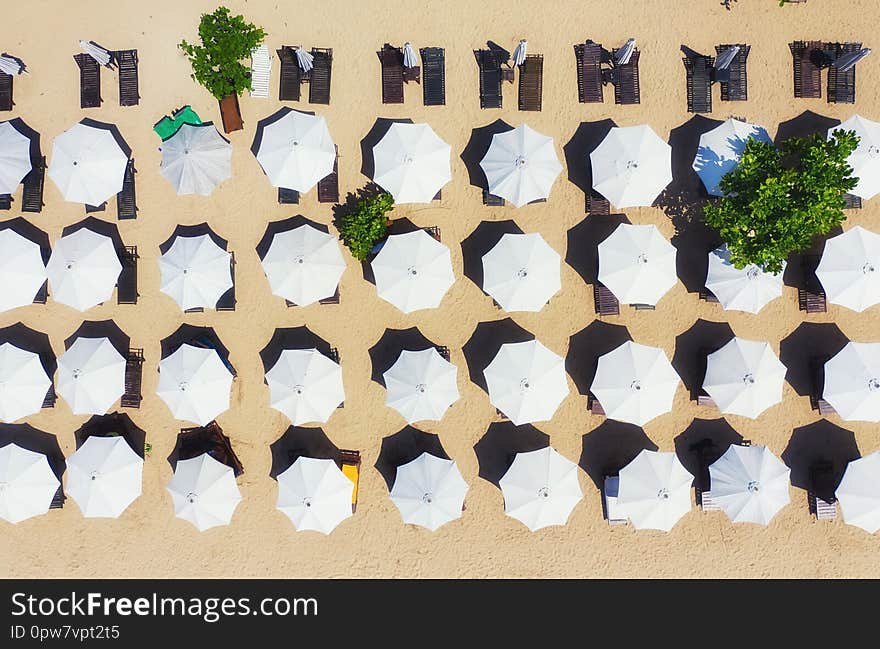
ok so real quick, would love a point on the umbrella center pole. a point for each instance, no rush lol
(524, 385)
(868, 268)
(749, 379)
(422, 388)
(631, 165)
(635, 386)
(642, 259)
(754, 486)
(522, 273)
(663, 494)
(412, 270)
(520, 162)
(874, 385)
(76, 374)
(299, 259)
(307, 501)
(873, 151)
(299, 389)
(428, 498)
(544, 492)
(753, 272)
(94, 475)
(192, 497)
(182, 386)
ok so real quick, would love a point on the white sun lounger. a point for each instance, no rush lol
(612, 510)
(261, 67)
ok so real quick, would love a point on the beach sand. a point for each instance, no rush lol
(148, 541)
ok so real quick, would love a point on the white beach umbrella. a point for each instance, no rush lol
(27, 484)
(631, 166)
(195, 272)
(540, 488)
(409, 55)
(852, 382)
(521, 165)
(655, 490)
(865, 160)
(315, 494)
(88, 163)
(194, 384)
(521, 272)
(429, 491)
(91, 376)
(97, 52)
(294, 150)
(859, 493)
(15, 157)
(849, 270)
(519, 53)
(526, 381)
(22, 272)
(305, 385)
(10, 65)
(303, 265)
(204, 492)
(413, 271)
(83, 269)
(421, 385)
(23, 383)
(635, 383)
(637, 264)
(720, 151)
(749, 483)
(741, 289)
(104, 476)
(196, 159)
(744, 377)
(304, 59)
(411, 162)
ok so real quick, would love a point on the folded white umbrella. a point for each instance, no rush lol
(83, 269)
(88, 165)
(859, 493)
(304, 59)
(9, 65)
(315, 494)
(91, 376)
(720, 151)
(104, 476)
(521, 272)
(749, 483)
(655, 490)
(637, 264)
(849, 270)
(195, 272)
(22, 272)
(194, 384)
(540, 488)
(421, 385)
(519, 53)
(409, 55)
(852, 382)
(196, 159)
(27, 484)
(865, 160)
(305, 385)
(411, 162)
(413, 271)
(303, 265)
(204, 492)
(97, 52)
(631, 166)
(624, 54)
(635, 383)
(15, 157)
(23, 383)
(744, 377)
(521, 165)
(741, 289)
(429, 491)
(526, 381)
(296, 150)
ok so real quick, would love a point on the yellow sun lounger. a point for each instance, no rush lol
(351, 468)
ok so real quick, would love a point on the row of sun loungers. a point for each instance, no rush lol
(90, 79)
(808, 60)
(318, 77)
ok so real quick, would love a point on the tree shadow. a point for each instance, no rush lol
(586, 346)
(804, 125)
(703, 442)
(112, 425)
(371, 139)
(32, 233)
(582, 251)
(484, 237)
(809, 340)
(497, 449)
(476, 149)
(98, 226)
(193, 231)
(577, 150)
(296, 442)
(611, 446)
(291, 338)
(102, 329)
(386, 350)
(36, 441)
(688, 361)
(820, 442)
(483, 345)
(198, 337)
(32, 341)
(405, 446)
(285, 225)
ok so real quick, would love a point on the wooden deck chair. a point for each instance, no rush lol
(707, 452)
(841, 85)
(806, 57)
(811, 297)
(531, 82)
(126, 200)
(626, 80)
(127, 285)
(227, 300)
(391, 59)
(852, 202)
(328, 186)
(127, 61)
(42, 295)
(50, 398)
(821, 475)
(708, 296)
(58, 499)
(288, 196)
(6, 201)
(350, 464)
(816, 366)
(610, 491)
(490, 79)
(736, 88)
(6, 82)
(33, 185)
(290, 78)
(89, 81)
(596, 204)
(91, 209)
(594, 406)
(699, 83)
(211, 440)
(434, 85)
(605, 302)
(134, 370)
(588, 57)
(492, 200)
(434, 231)
(319, 86)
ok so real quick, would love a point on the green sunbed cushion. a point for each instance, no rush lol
(166, 127)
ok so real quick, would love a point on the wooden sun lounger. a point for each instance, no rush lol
(33, 185)
(91, 209)
(89, 81)
(492, 200)
(821, 472)
(50, 398)
(594, 406)
(127, 61)
(126, 203)
(443, 351)
(227, 300)
(134, 370)
(350, 463)
(58, 499)
(643, 307)
(736, 88)
(434, 84)
(490, 79)
(127, 285)
(610, 490)
(807, 74)
(391, 59)
(290, 78)
(6, 102)
(852, 202)
(531, 82)
(596, 204)
(589, 72)
(626, 80)
(288, 196)
(434, 231)
(328, 186)
(5, 201)
(230, 114)
(604, 301)
(699, 83)
(811, 298)
(319, 86)
(333, 299)
(817, 384)
(211, 440)
(708, 296)
(42, 295)
(841, 85)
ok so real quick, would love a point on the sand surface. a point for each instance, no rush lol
(148, 541)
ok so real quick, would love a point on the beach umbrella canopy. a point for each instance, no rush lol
(294, 149)
(97, 52)
(741, 289)
(635, 383)
(655, 490)
(865, 160)
(91, 376)
(27, 484)
(83, 269)
(852, 382)
(429, 491)
(315, 494)
(22, 272)
(519, 53)
(849, 270)
(744, 377)
(859, 493)
(421, 385)
(720, 151)
(304, 59)
(526, 381)
(196, 159)
(409, 55)
(195, 272)
(637, 264)
(631, 166)
(411, 162)
(303, 265)
(204, 492)
(305, 385)
(104, 476)
(194, 384)
(521, 165)
(749, 483)
(521, 272)
(88, 162)
(23, 383)
(11, 65)
(15, 157)
(540, 488)
(413, 271)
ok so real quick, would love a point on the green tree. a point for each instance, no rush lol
(777, 199)
(361, 227)
(226, 41)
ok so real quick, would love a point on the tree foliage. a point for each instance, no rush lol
(361, 227)
(226, 41)
(776, 200)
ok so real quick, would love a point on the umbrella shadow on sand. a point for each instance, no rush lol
(497, 449)
(98, 226)
(582, 251)
(484, 237)
(405, 446)
(115, 424)
(609, 447)
(37, 441)
(577, 150)
(811, 342)
(32, 233)
(691, 348)
(477, 147)
(385, 352)
(285, 225)
(32, 341)
(298, 441)
(804, 125)
(703, 442)
(586, 346)
(820, 445)
(197, 337)
(371, 139)
(193, 231)
(101, 329)
(483, 345)
(291, 338)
